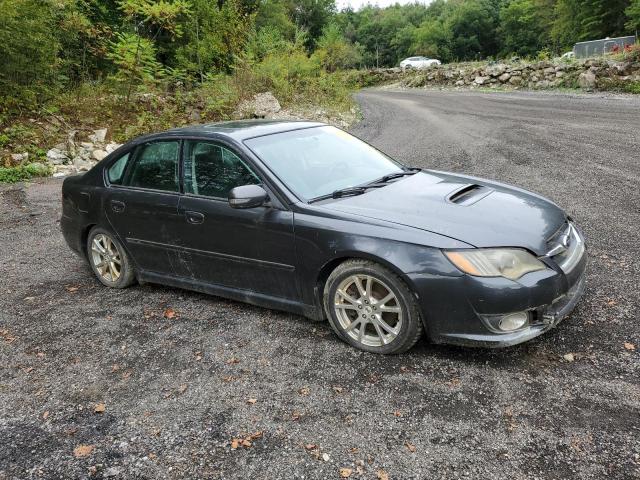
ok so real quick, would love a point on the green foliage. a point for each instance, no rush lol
(633, 13)
(23, 172)
(334, 52)
(135, 59)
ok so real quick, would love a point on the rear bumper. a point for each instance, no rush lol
(72, 233)
(454, 307)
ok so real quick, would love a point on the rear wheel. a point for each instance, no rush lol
(108, 259)
(371, 308)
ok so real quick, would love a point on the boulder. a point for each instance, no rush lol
(260, 106)
(479, 80)
(496, 70)
(99, 154)
(515, 80)
(99, 135)
(587, 79)
(57, 156)
(504, 77)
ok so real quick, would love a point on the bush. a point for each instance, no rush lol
(23, 172)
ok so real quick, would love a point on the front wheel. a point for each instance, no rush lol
(108, 259)
(371, 308)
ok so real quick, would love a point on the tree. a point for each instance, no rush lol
(522, 27)
(633, 13)
(334, 52)
(312, 16)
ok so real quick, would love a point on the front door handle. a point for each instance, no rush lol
(194, 217)
(117, 206)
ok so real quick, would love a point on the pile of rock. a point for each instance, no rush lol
(591, 74)
(266, 105)
(75, 156)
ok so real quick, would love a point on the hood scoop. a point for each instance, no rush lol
(468, 194)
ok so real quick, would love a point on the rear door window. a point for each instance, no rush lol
(156, 167)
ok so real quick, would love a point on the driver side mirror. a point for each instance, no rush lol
(247, 196)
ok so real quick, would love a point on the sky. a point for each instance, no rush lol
(357, 4)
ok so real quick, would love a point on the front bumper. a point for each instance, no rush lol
(453, 307)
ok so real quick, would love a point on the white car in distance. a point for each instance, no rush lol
(418, 62)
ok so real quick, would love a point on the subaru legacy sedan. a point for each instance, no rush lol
(303, 217)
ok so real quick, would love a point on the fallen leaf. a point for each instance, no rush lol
(71, 431)
(251, 401)
(235, 443)
(354, 450)
(228, 378)
(611, 302)
(304, 391)
(198, 356)
(233, 361)
(404, 369)
(397, 413)
(345, 472)
(246, 443)
(45, 415)
(337, 389)
(360, 470)
(382, 475)
(115, 368)
(72, 288)
(99, 408)
(83, 451)
(170, 313)
(629, 346)
(410, 446)
(256, 435)
(295, 415)
(126, 374)
(27, 370)
(310, 446)
(182, 388)
(569, 357)
(40, 354)
(6, 336)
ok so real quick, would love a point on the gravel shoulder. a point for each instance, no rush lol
(156, 382)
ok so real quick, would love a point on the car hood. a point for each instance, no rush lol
(476, 211)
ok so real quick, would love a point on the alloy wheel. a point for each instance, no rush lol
(106, 258)
(368, 310)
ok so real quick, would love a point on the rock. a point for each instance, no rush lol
(110, 147)
(560, 74)
(57, 156)
(64, 170)
(99, 135)
(19, 157)
(194, 116)
(515, 80)
(71, 141)
(504, 77)
(496, 70)
(87, 145)
(587, 79)
(81, 164)
(460, 83)
(99, 154)
(112, 472)
(569, 357)
(480, 80)
(549, 70)
(260, 106)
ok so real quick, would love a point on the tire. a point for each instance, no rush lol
(378, 314)
(112, 275)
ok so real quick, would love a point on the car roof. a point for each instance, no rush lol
(236, 129)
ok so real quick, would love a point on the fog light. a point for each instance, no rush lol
(513, 321)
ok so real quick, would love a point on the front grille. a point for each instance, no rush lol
(566, 247)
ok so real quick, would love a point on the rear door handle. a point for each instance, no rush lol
(194, 217)
(117, 206)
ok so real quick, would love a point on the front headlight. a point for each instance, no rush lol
(511, 263)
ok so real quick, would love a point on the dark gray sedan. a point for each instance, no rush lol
(304, 217)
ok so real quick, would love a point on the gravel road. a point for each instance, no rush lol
(153, 382)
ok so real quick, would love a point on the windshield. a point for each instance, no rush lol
(318, 161)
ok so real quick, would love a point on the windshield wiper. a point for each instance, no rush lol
(391, 176)
(343, 192)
